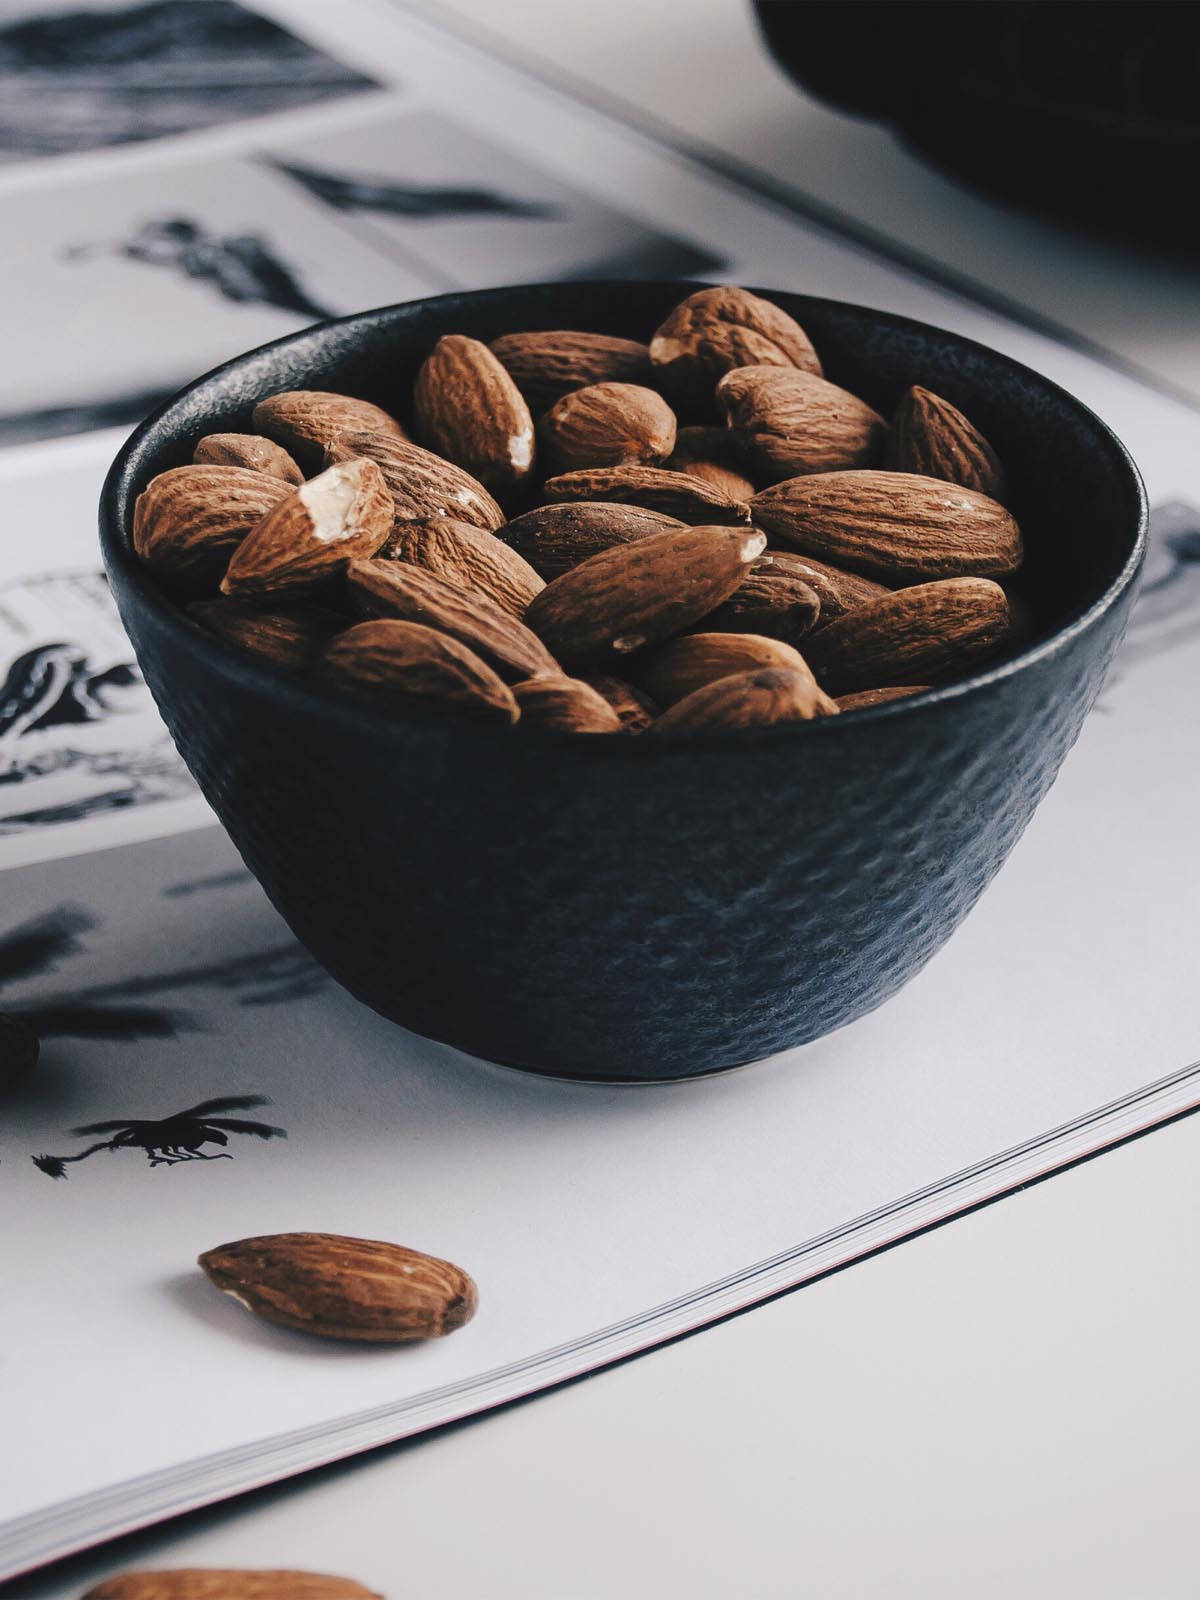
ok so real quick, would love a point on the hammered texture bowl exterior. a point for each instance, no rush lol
(609, 907)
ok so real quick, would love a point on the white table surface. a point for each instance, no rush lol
(1004, 1406)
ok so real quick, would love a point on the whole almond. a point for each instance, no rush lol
(566, 705)
(878, 697)
(607, 425)
(709, 453)
(188, 521)
(920, 634)
(932, 437)
(747, 700)
(838, 591)
(344, 1288)
(715, 330)
(545, 366)
(228, 1583)
(672, 493)
(421, 483)
(306, 421)
(770, 601)
(636, 594)
(250, 451)
(555, 538)
(895, 526)
(291, 640)
(467, 556)
(786, 422)
(635, 710)
(343, 513)
(680, 666)
(394, 589)
(397, 664)
(468, 409)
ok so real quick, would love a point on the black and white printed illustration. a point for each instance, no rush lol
(166, 1141)
(1167, 612)
(76, 76)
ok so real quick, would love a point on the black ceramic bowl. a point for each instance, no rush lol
(633, 908)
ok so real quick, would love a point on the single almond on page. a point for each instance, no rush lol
(635, 710)
(468, 556)
(250, 451)
(468, 409)
(188, 521)
(893, 526)
(421, 483)
(786, 422)
(291, 640)
(555, 538)
(710, 453)
(680, 666)
(344, 512)
(715, 330)
(747, 700)
(837, 590)
(306, 421)
(635, 594)
(672, 493)
(878, 697)
(769, 600)
(932, 437)
(405, 664)
(394, 589)
(545, 366)
(607, 425)
(566, 705)
(228, 1583)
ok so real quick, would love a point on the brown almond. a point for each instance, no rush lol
(786, 422)
(715, 330)
(188, 521)
(421, 483)
(894, 526)
(343, 513)
(878, 697)
(468, 409)
(838, 591)
(607, 425)
(467, 556)
(291, 640)
(306, 421)
(710, 453)
(683, 665)
(635, 710)
(919, 634)
(250, 451)
(635, 594)
(555, 538)
(398, 664)
(343, 1288)
(394, 589)
(566, 705)
(545, 366)
(747, 700)
(672, 493)
(228, 1583)
(770, 601)
(933, 438)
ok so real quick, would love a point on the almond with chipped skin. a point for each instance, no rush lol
(545, 366)
(250, 451)
(555, 538)
(468, 409)
(607, 425)
(566, 705)
(467, 556)
(932, 437)
(786, 422)
(672, 493)
(715, 330)
(421, 483)
(306, 421)
(400, 665)
(747, 700)
(189, 520)
(682, 665)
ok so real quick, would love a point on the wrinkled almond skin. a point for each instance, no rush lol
(754, 699)
(555, 538)
(607, 425)
(566, 705)
(291, 640)
(770, 601)
(892, 526)
(306, 421)
(421, 483)
(467, 556)
(680, 666)
(921, 634)
(401, 664)
(932, 437)
(228, 1583)
(787, 422)
(468, 409)
(545, 366)
(343, 513)
(635, 594)
(715, 330)
(878, 697)
(188, 521)
(710, 453)
(393, 589)
(672, 493)
(635, 710)
(837, 590)
(250, 451)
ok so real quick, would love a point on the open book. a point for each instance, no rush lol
(598, 1220)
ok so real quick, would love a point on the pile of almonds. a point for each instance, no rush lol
(558, 550)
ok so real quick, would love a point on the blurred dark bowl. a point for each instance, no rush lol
(618, 908)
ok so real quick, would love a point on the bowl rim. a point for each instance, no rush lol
(122, 564)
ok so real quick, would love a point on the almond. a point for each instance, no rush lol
(933, 438)
(607, 425)
(467, 556)
(555, 538)
(635, 594)
(421, 484)
(566, 705)
(545, 366)
(343, 513)
(878, 697)
(747, 700)
(715, 330)
(786, 422)
(892, 525)
(468, 409)
(306, 421)
(397, 664)
(837, 591)
(393, 589)
(228, 1583)
(188, 521)
(635, 710)
(344, 1288)
(769, 600)
(710, 453)
(681, 666)
(673, 493)
(920, 634)
(250, 451)
(291, 640)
